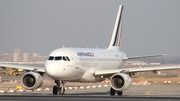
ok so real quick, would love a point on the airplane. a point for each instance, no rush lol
(87, 65)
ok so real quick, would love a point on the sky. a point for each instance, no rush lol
(149, 26)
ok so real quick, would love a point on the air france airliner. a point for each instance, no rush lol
(87, 65)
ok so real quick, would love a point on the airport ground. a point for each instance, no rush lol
(134, 93)
(146, 86)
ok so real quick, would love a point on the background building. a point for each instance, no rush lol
(17, 56)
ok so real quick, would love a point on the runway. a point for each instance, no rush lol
(85, 98)
(134, 93)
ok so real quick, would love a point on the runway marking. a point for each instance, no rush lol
(148, 92)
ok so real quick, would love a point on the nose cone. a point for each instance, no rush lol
(51, 69)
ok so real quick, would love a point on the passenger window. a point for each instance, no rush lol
(64, 58)
(58, 58)
(67, 58)
(51, 58)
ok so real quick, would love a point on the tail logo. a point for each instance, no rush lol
(117, 39)
(117, 32)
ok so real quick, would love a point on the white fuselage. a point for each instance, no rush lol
(72, 63)
(80, 64)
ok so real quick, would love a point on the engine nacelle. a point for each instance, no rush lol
(31, 80)
(120, 81)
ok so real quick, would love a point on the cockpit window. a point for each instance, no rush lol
(51, 58)
(64, 58)
(67, 58)
(58, 58)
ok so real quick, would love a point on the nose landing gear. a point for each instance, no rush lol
(59, 89)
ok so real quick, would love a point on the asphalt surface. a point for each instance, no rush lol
(157, 92)
(85, 98)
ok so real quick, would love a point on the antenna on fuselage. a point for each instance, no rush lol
(97, 47)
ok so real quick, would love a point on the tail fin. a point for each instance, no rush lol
(117, 32)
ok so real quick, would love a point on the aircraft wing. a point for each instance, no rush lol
(144, 56)
(131, 70)
(36, 68)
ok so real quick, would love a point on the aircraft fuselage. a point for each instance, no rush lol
(72, 63)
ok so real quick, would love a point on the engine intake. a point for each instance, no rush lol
(31, 80)
(120, 81)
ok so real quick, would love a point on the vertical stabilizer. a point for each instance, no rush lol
(117, 32)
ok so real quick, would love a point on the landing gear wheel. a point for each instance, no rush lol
(55, 90)
(62, 90)
(112, 91)
(120, 93)
(59, 89)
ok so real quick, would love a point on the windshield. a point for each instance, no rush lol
(57, 58)
(51, 58)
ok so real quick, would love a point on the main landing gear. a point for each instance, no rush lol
(113, 92)
(59, 89)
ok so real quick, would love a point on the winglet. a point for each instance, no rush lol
(117, 32)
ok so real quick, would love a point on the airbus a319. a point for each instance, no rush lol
(87, 65)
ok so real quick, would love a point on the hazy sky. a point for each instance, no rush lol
(149, 26)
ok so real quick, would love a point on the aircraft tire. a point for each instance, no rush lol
(112, 91)
(119, 93)
(62, 90)
(55, 90)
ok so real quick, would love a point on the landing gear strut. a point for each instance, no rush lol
(59, 89)
(113, 92)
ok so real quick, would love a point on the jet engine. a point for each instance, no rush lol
(120, 81)
(31, 80)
